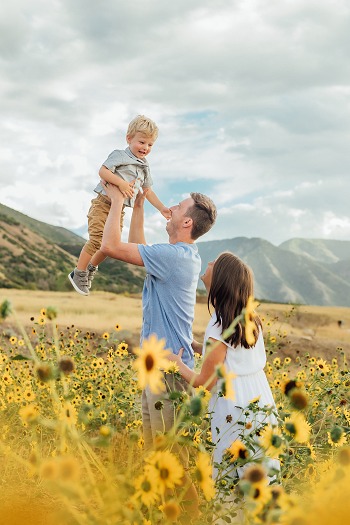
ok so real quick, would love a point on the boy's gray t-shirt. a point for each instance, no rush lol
(130, 168)
(169, 295)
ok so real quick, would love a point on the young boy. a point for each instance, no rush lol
(128, 169)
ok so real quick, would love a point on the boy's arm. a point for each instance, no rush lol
(126, 188)
(153, 199)
(111, 240)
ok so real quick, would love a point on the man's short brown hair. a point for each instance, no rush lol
(203, 214)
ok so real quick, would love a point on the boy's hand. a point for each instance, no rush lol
(126, 188)
(166, 213)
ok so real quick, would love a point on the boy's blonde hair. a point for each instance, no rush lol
(142, 124)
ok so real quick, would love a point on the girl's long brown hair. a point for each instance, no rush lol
(232, 284)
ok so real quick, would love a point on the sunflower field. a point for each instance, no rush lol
(71, 445)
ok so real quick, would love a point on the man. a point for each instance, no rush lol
(169, 292)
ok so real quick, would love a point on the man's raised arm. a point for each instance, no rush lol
(137, 231)
(111, 240)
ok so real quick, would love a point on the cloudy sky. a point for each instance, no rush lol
(251, 98)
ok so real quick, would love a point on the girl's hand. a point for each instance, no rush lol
(176, 358)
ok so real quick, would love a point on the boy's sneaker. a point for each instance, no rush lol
(92, 272)
(79, 280)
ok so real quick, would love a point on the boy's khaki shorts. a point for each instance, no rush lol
(97, 217)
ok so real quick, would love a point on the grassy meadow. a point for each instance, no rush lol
(312, 328)
(71, 446)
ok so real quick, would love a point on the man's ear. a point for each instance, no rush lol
(187, 223)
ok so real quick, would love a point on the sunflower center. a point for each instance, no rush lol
(149, 362)
(164, 473)
(146, 486)
(243, 453)
(276, 441)
(199, 475)
(336, 433)
(291, 428)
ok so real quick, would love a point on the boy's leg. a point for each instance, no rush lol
(84, 259)
(84, 273)
(98, 258)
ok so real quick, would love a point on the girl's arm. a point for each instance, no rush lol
(215, 355)
(197, 347)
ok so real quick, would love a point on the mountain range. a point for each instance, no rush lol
(36, 255)
(302, 271)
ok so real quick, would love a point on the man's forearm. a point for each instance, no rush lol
(111, 240)
(111, 233)
(136, 231)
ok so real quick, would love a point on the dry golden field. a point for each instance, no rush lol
(311, 329)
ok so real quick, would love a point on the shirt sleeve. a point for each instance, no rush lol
(113, 160)
(159, 259)
(148, 182)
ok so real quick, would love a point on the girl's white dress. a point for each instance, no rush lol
(250, 383)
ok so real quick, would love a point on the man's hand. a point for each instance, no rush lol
(140, 198)
(112, 191)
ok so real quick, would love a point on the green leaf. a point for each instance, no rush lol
(20, 357)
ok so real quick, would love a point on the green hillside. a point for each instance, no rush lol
(35, 255)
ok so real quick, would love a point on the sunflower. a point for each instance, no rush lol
(49, 469)
(69, 468)
(249, 324)
(203, 475)
(271, 440)
(336, 437)
(29, 413)
(68, 414)
(117, 327)
(227, 383)
(123, 347)
(203, 393)
(256, 475)
(298, 398)
(323, 366)
(151, 358)
(171, 510)
(238, 450)
(105, 335)
(298, 427)
(146, 489)
(165, 469)
(29, 395)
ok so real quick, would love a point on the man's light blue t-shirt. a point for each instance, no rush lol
(169, 294)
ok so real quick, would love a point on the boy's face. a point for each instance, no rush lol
(140, 144)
